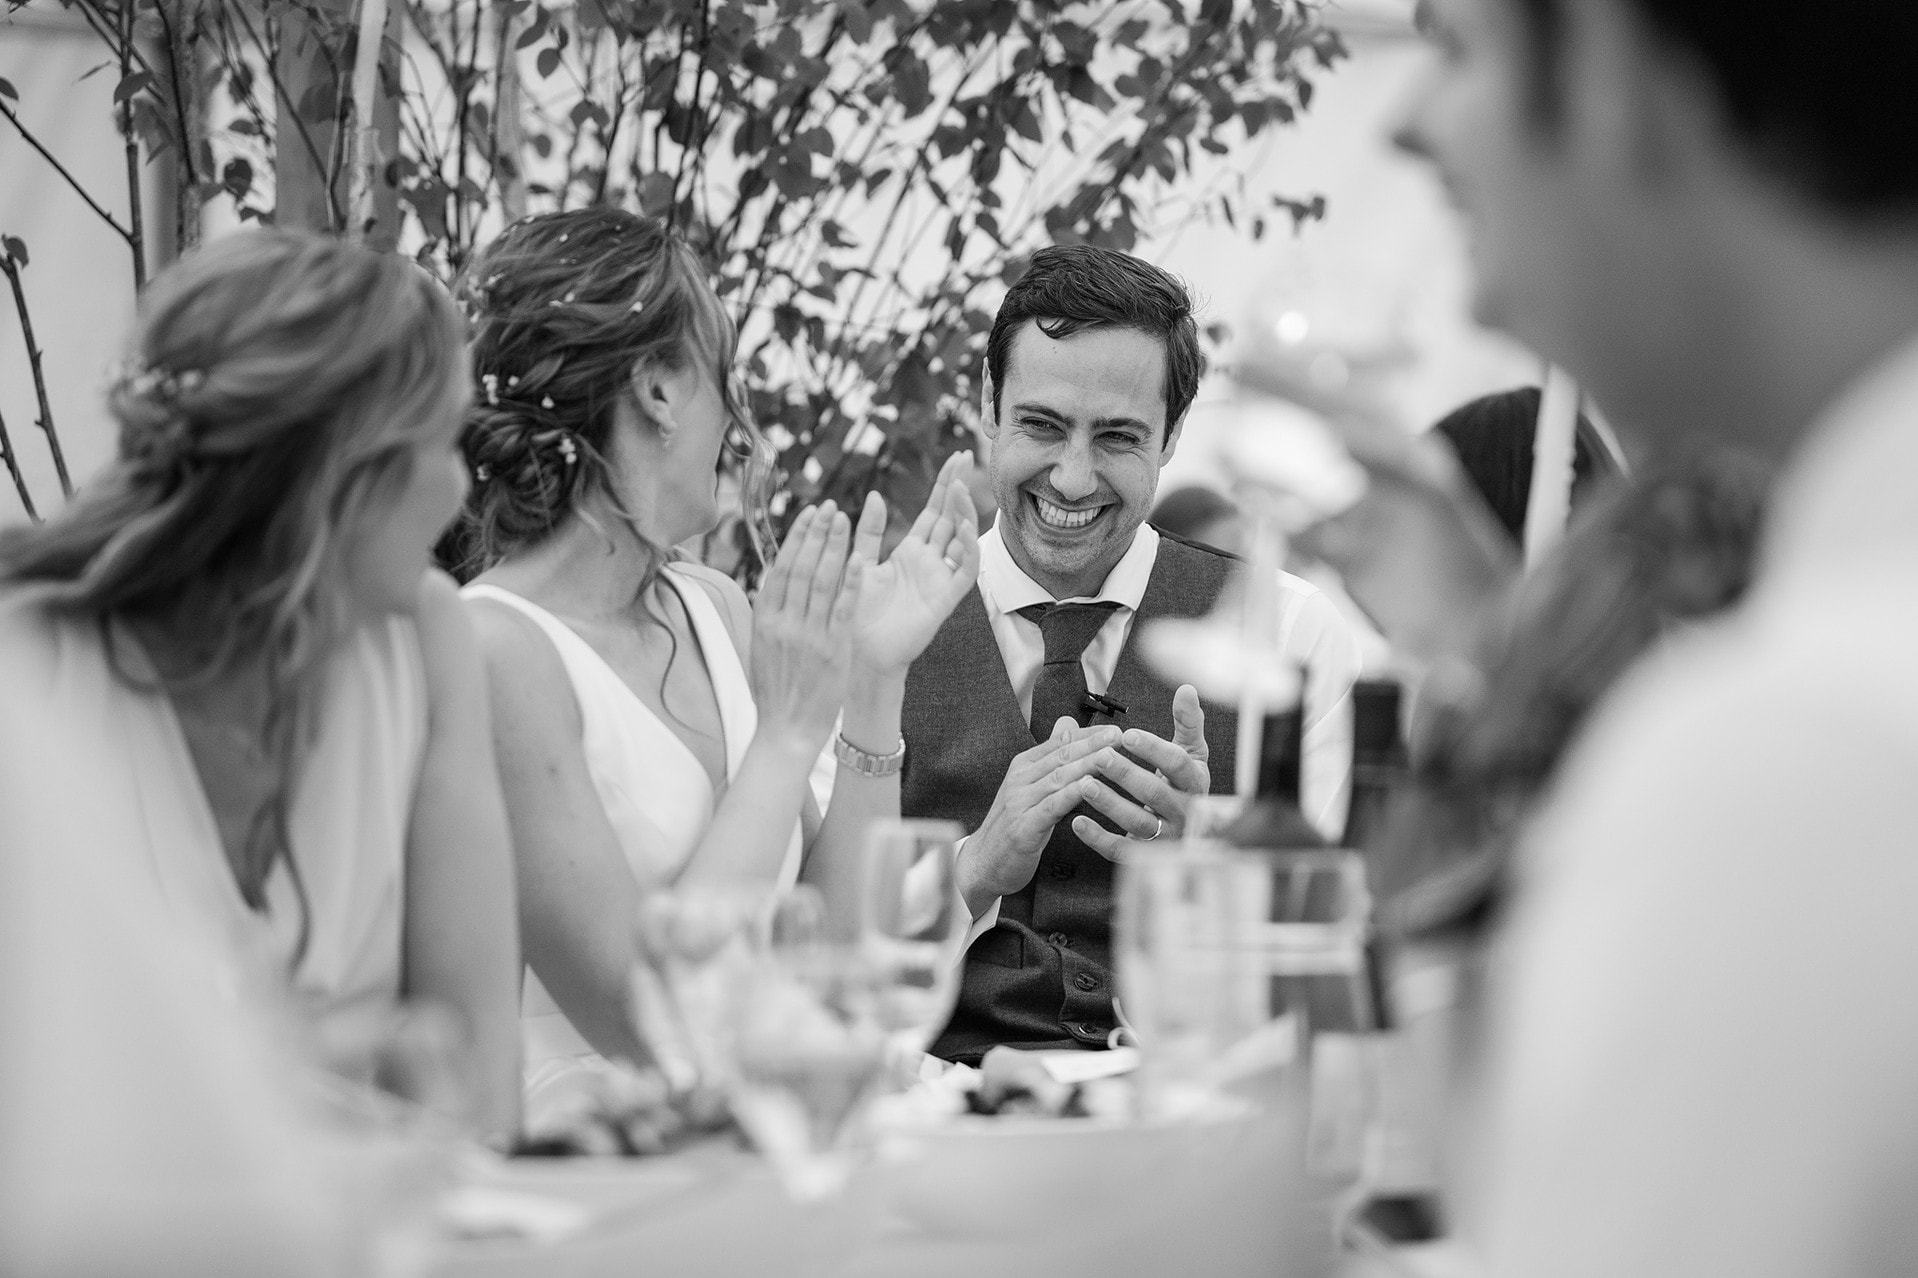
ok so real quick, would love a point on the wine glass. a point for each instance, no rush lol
(395, 1097)
(913, 927)
(807, 1047)
(693, 940)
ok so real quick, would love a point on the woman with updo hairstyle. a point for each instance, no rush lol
(654, 729)
(271, 708)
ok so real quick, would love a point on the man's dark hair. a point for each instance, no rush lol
(1492, 436)
(1069, 287)
(1827, 94)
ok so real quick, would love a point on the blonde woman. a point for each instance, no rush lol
(272, 708)
(654, 729)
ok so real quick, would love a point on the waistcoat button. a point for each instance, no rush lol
(1086, 981)
(1059, 939)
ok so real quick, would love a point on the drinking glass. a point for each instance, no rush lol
(394, 1097)
(1218, 945)
(694, 942)
(913, 927)
(807, 1047)
(1186, 981)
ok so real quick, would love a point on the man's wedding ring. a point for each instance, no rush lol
(954, 564)
(1157, 830)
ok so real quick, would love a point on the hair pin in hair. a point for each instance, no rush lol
(569, 450)
(563, 236)
(546, 402)
(491, 382)
(133, 377)
(482, 473)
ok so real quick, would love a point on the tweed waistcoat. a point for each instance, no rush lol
(1042, 976)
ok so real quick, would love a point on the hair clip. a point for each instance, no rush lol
(168, 441)
(546, 402)
(563, 236)
(571, 296)
(491, 382)
(569, 450)
(482, 473)
(135, 377)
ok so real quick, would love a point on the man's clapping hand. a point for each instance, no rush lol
(1041, 787)
(1149, 801)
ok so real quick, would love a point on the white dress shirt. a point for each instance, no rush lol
(1705, 1056)
(1311, 632)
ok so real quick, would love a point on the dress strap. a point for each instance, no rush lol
(738, 717)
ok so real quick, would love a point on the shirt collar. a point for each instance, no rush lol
(1006, 587)
(1846, 498)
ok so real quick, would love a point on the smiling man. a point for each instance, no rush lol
(1093, 361)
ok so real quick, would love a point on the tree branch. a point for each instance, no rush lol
(13, 468)
(11, 269)
(185, 69)
(136, 231)
(61, 169)
(292, 109)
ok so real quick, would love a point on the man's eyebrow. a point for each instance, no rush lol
(1041, 410)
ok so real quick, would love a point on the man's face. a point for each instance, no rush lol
(1473, 118)
(1077, 446)
(1584, 228)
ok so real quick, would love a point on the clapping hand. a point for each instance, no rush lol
(1146, 795)
(802, 621)
(903, 601)
(1043, 785)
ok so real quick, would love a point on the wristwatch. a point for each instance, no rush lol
(865, 763)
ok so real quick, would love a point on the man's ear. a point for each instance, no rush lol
(988, 415)
(1172, 436)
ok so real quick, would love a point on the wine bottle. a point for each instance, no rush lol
(1401, 1205)
(1378, 766)
(1273, 818)
(1306, 886)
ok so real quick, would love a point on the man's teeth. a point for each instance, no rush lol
(1060, 517)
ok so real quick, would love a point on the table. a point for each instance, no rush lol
(1233, 1200)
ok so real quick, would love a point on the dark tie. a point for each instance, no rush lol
(1061, 687)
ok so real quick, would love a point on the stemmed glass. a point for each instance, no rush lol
(806, 1047)
(913, 928)
(394, 1095)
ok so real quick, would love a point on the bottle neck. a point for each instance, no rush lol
(1378, 757)
(1280, 748)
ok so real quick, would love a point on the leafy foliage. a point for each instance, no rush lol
(861, 176)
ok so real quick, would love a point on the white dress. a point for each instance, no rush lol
(152, 1126)
(657, 795)
(118, 785)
